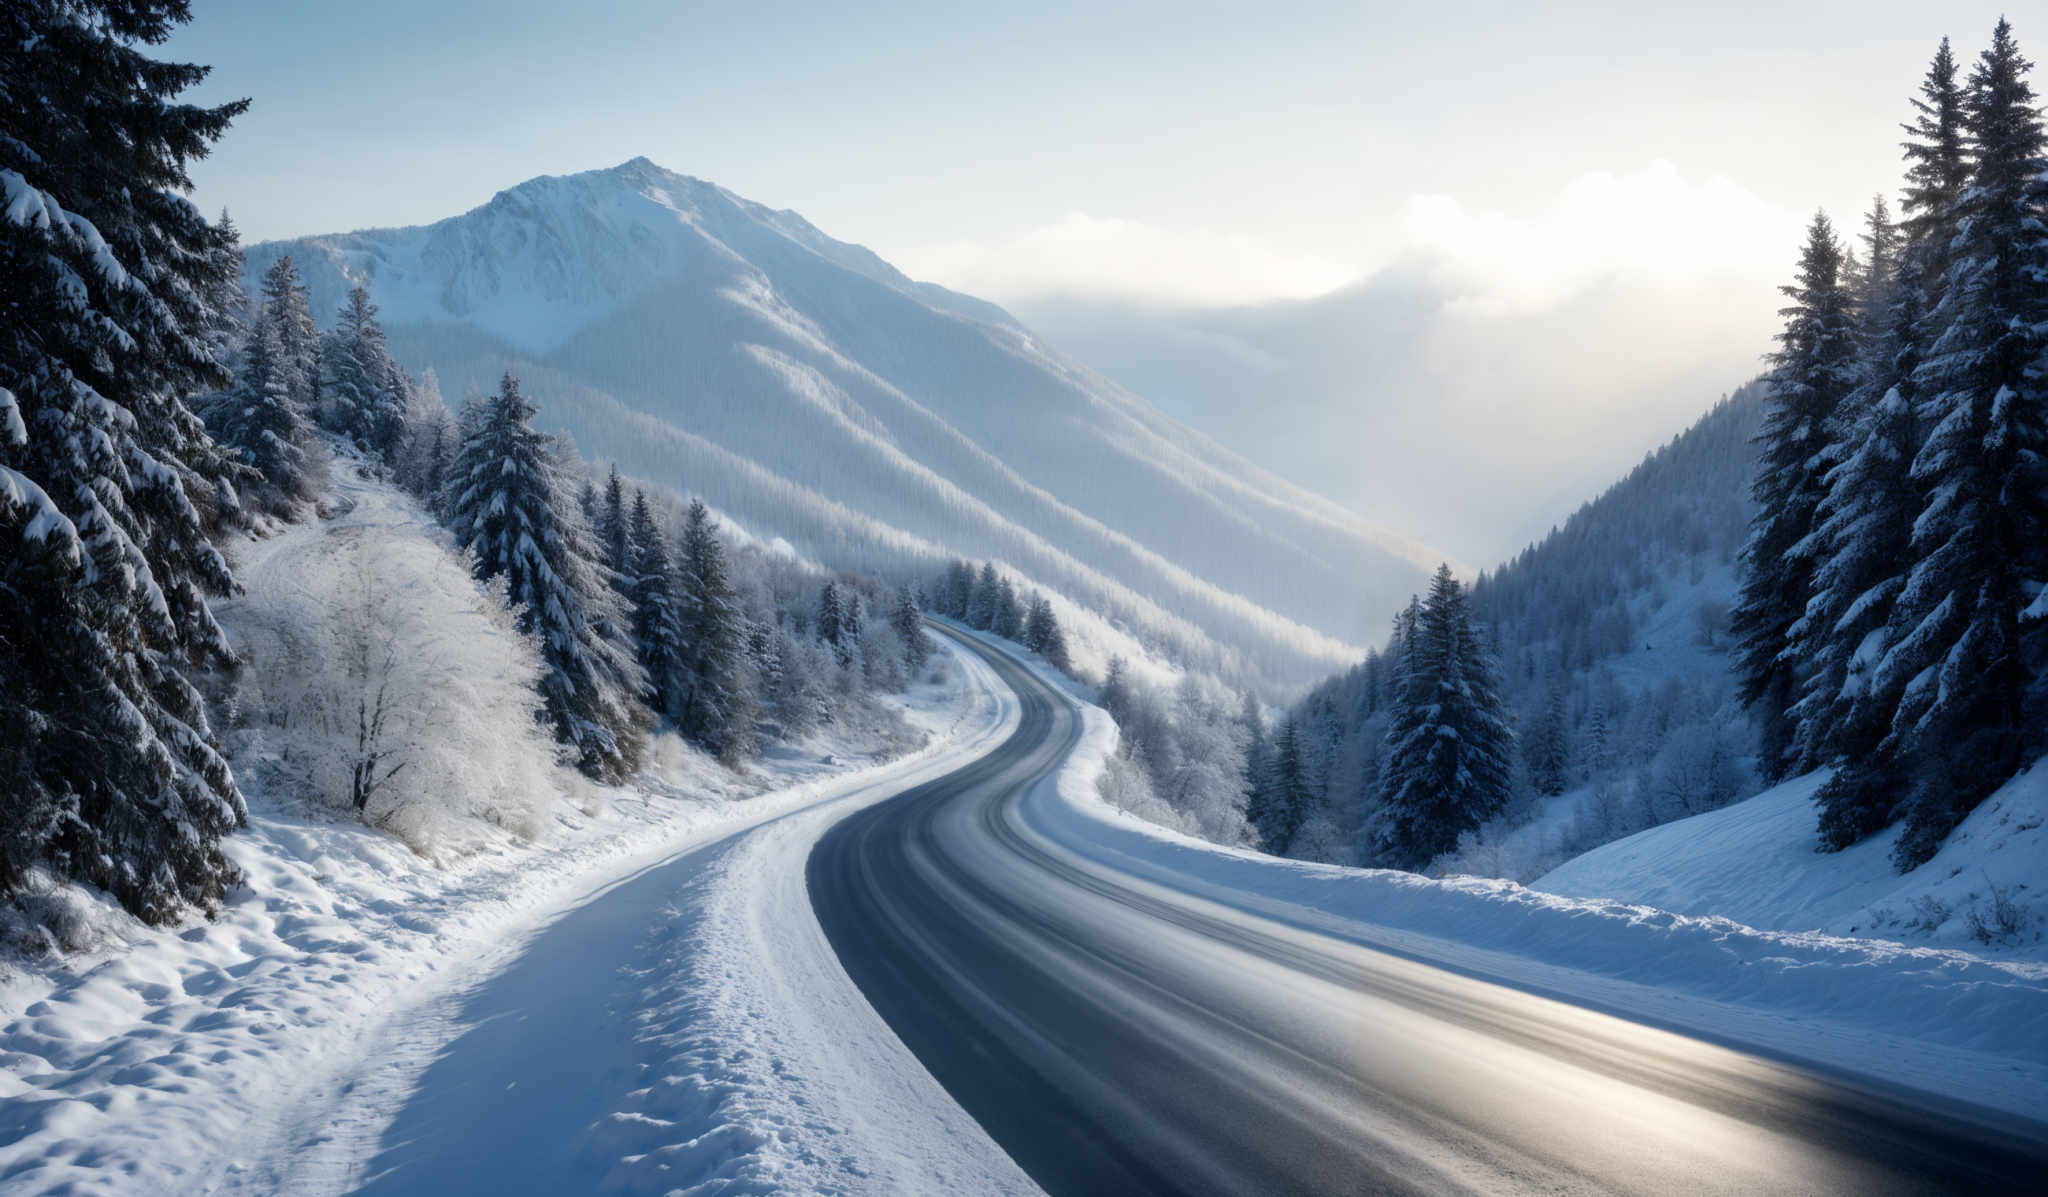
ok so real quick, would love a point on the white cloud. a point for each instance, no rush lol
(1653, 224)
(1124, 259)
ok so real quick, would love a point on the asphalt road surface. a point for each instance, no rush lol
(1115, 1036)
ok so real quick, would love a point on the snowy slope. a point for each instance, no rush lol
(1759, 862)
(792, 379)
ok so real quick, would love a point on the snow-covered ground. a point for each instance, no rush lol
(272, 1044)
(1759, 862)
(1959, 1024)
(682, 1027)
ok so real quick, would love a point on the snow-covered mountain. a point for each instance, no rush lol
(814, 393)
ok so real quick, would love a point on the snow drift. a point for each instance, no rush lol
(1760, 861)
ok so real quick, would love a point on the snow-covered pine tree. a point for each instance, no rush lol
(259, 418)
(1549, 744)
(1032, 634)
(1873, 499)
(285, 303)
(1114, 695)
(1042, 633)
(214, 474)
(981, 605)
(1258, 755)
(851, 620)
(430, 436)
(657, 624)
(505, 483)
(1055, 651)
(614, 531)
(830, 608)
(721, 708)
(1865, 531)
(363, 392)
(113, 776)
(1008, 620)
(956, 591)
(1813, 370)
(1937, 170)
(908, 621)
(1450, 750)
(1966, 630)
(1284, 793)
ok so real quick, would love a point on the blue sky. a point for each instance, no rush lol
(1267, 149)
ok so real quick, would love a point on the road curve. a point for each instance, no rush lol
(1116, 1037)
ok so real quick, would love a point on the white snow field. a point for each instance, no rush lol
(1759, 861)
(266, 1051)
(811, 392)
(1959, 1024)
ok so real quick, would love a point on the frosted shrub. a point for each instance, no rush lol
(399, 691)
(1125, 786)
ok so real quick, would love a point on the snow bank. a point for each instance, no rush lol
(1951, 1022)
(761, 1067)
(1759, 861)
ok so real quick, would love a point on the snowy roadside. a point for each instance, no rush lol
(182, 1057)
(1947, 1022)
(767, 1070)
(683, 1028)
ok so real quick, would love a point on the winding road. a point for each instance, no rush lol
(1116, 1036)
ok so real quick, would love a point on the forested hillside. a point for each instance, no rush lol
(1609, 640)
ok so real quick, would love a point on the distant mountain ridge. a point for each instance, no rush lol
(816, 394)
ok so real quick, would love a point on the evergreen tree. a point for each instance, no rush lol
(262, 423)
(614, 531)
(1037, 613)
(1055, 650)
(909, 624)
(1599, 756)
(721, 708)
(1450, 750)
(1042, 633)
(433, 472)
(506, 480)
(956, 592)
(1811, 373)
(1285, 795)
(114, 776)
(1549, 745)
(1008, 619)
(831, 617)
(981, 607)
(1938, 167)
(1873, 496)
(1258, 759)
(851, 617)
(285, 305)
(1114, 695)
(1962, 638)
(1866, 531)
(1882, 244)
(363, 390)
(657, 624)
